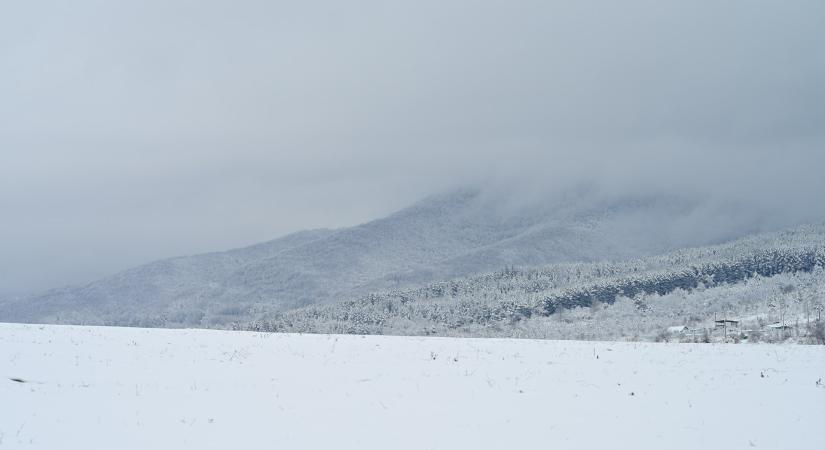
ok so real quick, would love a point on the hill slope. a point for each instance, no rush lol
(458, 234)
(503, 303)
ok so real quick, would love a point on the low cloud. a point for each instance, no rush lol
(157, 128)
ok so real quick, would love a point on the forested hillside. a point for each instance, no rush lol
(784, 268)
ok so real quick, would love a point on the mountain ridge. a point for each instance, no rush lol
(459, 233)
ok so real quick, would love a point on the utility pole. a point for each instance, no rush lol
(725, 326)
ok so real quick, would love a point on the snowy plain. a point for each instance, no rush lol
(73, 387)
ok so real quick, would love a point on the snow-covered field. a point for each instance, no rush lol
(67, 387)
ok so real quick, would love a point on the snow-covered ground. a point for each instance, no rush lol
(67, 387)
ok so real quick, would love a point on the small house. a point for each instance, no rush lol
(726, 323)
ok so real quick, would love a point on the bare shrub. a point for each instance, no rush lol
(705, 338)
(755, 336)
(816, 332)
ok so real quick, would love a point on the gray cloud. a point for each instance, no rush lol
(131, 131)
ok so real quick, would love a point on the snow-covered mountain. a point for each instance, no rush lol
(457, 234)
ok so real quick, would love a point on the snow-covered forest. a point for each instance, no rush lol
(764, 287)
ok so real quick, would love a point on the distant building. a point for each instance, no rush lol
(726, 323)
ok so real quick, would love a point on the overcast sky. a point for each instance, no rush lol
(135, 130)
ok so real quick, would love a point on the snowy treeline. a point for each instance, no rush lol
(763, 263)
(633, 299)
